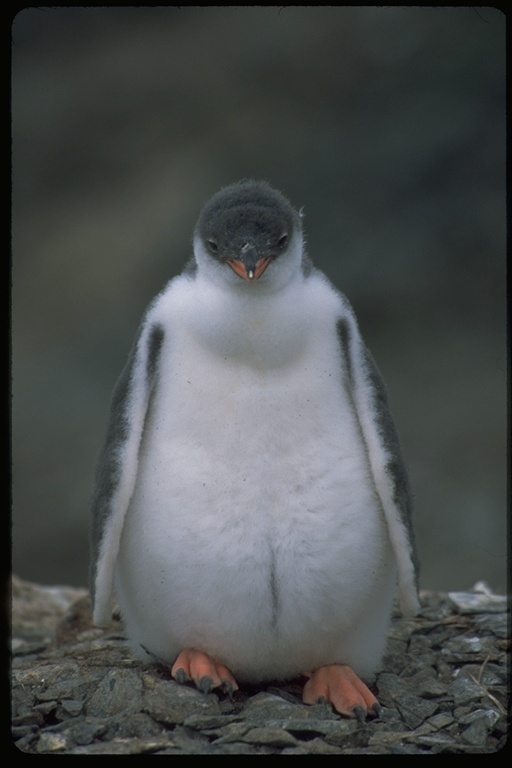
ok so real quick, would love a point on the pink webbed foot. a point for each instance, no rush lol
(204, 671)
(338, 685)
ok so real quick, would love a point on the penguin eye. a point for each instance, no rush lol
(212, 245)
(283, 241)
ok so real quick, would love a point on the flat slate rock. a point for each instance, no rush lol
(76, 689)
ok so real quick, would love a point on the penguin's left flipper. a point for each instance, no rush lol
(204, 671)
(340, 686)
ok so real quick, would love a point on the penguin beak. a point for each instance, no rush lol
(248, 267)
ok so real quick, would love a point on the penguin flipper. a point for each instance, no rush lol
(117, 468)
(339, 685)
(384, 455)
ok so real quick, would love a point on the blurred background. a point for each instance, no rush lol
(386, 124)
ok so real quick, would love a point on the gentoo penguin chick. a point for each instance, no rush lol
(252, 507)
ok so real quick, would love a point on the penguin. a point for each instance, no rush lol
(252, 511)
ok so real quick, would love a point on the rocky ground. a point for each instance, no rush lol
(76, 690)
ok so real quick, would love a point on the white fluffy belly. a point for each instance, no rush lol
(254, 533)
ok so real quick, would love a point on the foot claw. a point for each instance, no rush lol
(227, 687)
(359, 713)
(180, 676)
(205, 684)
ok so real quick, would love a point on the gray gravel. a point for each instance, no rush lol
(76, 689)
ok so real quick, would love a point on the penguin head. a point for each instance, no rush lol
(248, 233)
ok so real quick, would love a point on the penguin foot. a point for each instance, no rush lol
(204, 672)
(340, 686)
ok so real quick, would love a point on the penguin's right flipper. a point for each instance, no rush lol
(118, 465)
